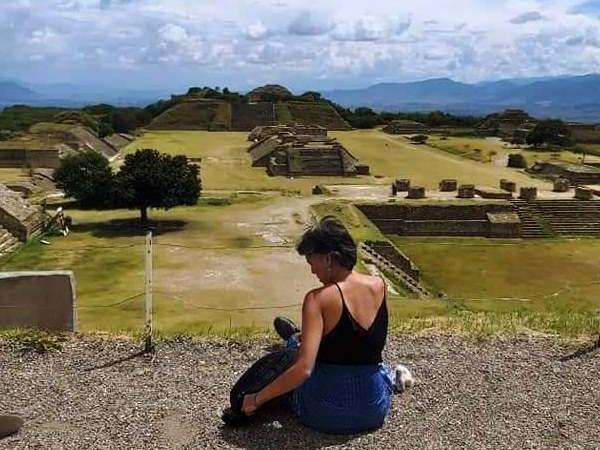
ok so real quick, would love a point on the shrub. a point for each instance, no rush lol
(517, 161)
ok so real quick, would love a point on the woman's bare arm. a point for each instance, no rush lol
(312, 331)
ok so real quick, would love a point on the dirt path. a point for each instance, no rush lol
(507, 394)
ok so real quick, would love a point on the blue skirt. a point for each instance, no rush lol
(344, 399)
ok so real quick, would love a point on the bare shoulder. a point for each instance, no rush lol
(319, 294)
(374, 284)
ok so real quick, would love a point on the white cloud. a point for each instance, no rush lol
(352, 41)
(256, 31)
(370, 28)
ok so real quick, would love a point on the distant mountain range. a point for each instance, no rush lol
(570, 98)
(71, 95)
(13, 92)
(575, 98)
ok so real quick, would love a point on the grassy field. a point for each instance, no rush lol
(226, 164)
(8, 175)
(228, 263)
(488, 150)
(212, 264)
(394, 157)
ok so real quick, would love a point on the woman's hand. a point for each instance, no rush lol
(249, 405)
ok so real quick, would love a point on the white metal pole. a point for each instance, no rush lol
(149, 347)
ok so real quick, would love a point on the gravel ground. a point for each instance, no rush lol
(513, 393)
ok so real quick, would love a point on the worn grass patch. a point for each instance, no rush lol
(394, 157)
(226, 164)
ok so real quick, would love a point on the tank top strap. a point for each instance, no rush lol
(344, 307)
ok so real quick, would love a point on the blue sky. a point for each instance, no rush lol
(327, 44)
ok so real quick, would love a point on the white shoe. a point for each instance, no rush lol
(403, 379)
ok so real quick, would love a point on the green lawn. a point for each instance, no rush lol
(226, 164)
(204, 259)
(504, 275)
(216, 266)
(394, 157)
(488, 150)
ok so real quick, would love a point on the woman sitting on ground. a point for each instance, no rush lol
(336, 377)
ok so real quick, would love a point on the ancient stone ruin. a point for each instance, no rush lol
(405, 127)
(284, 152)
(509, 186)
(448, 185)
(561, 185)
(528, 193)
(488, 219)
(17, 216)
(262, 132)
(416, 192)
(582, 193)
(466, 191)
(575, 173)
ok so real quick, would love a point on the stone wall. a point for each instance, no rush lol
(44, 300)
(438, 220)
(396, 257)
(14, 158)
(18, 216)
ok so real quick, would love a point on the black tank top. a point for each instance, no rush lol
(348, 343)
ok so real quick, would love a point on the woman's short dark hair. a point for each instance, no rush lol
(329, 236)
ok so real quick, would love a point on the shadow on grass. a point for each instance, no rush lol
(276, 429)
(129, 227)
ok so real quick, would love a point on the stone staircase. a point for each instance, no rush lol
(571, 217)
(529, 215)
(8, 243)
(384, 263)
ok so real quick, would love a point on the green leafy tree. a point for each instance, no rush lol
(104, 130)
(87, 177)
(149, 179)
(419, 138)
(551, 131)
(517, 160)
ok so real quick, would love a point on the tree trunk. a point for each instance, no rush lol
(144, 215)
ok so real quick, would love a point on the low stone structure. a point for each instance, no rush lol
(394, 255)
(466, 191)
(492, 193)
(13, 157)
(362, 169)
(262, 132)
(584, 193)
(575, 173)
(444, 219)
(44, 300)
(561, 185)
(405, 127)
(504, 225)
(18, 216)
(288, 154)
(528, 193)
(416, 192)
(508, 185)
(448, 185)
(402, 184)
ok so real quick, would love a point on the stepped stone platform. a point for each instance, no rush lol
(405, 127)
(569, 217)
(8, 242)
(575, 173)
(438, 218)
(387, 258)
(283, 152)
(22, 219)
